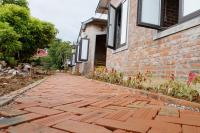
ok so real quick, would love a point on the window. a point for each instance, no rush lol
(77, 54)
(149, 14)
(189, 9)
(162, 14)
(72, 61)
(124, 23)
(84, 49)
(117, 25)
(111, 27)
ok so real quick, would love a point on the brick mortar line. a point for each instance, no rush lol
(156, 96)
(7, 99)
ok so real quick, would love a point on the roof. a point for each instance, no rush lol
(42, 53)
(92, 20)
(103, 6)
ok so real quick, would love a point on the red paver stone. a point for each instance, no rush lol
(75, 110)
(100, 109)
(184, 121)
(3, 131)
(191, 129)
(33, 128)
(43, 111)
(120, 131)
(189, 115)
(118, 108)
(103, 103)
(90, 117)
(80, 127)
(128, 101)
(6, 122)
(57, 103)
(121, 115)
(158, 126)
(145, 113)
(84, 103)
(114, 124)
(52, 120)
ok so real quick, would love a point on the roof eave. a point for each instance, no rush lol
(102, 6)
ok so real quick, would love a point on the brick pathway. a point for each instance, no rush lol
(66, 103)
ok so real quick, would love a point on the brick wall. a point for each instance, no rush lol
(175, 54)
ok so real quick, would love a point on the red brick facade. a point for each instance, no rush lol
(177, 53)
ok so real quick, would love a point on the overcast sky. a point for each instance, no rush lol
(67, 15)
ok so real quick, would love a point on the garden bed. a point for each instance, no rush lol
(171, 87)
(12, 83)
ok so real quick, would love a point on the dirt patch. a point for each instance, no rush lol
(9, 84)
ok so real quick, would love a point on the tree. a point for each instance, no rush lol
(59, 52)
(16, 16)
(38, 35)
(9, 43)
(33, 33)
(22, 3)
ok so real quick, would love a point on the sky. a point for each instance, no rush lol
(66, 15)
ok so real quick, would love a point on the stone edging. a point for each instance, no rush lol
(158, 96)
(6, 99)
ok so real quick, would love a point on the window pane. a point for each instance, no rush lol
(124, 22)
(111, 29)
(77, 54)
(190, 6)
(84, 49)
(151, 10)
(73, 59)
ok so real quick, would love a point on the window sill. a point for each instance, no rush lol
(120, 49)
(178, 28)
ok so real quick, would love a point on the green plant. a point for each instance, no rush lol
(21, 34)
(172, 87)
(130, 82)
(115, 77)
(9, 43)
(11, 61)
(59, 51)
(197, 80)
(178, 89)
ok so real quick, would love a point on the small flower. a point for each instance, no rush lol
(191, 78)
